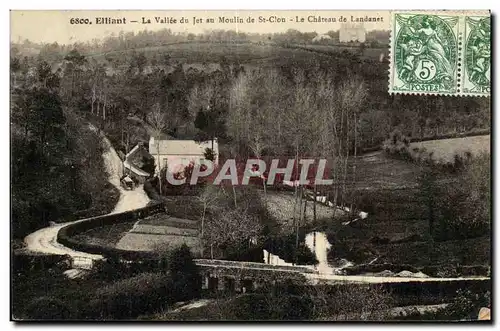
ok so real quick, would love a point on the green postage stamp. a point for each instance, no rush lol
(446, 53)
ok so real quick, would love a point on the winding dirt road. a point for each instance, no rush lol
(45, 240)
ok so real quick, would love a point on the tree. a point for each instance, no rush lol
(466, 203)
(157, 122)
(430, 192)
(208, 196)
(74, 64)
(209, 154)
(352, 96)
(251, 120)
(227, 225)
(148, 164)
(184, 273)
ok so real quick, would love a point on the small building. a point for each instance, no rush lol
(134, 161)
(180, 153)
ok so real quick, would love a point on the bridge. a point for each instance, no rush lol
(247, 276)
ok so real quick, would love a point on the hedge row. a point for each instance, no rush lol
(482, 132)
(67, 233)
(25, 261)
(432, 271)
(433, 292)
(362, 268)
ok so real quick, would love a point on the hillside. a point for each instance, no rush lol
(212, 55)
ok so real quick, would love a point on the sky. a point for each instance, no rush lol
(54, 26)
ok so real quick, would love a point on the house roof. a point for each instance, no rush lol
(133, 160)
(134, 169)
(179, 147)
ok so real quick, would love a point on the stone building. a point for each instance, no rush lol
(351, 32)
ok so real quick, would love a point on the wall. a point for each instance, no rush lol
(66, 234)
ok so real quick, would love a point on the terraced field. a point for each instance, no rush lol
(160, 231)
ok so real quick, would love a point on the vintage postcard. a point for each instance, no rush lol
(250, 165)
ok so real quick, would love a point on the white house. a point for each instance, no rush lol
(179, 153)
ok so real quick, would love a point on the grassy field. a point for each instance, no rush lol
(185, 207)
(199, 52)
(159, 232)
(280, 206)
(377, 171)
(444, 150)
(368, 53)
(108, 235)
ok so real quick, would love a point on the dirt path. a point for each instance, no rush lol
(45, 240)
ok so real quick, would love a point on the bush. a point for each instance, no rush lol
(267, 306)
(285, 248)
(295, 308)
(252, 306)
(351, 302)
(465, 205)
(184, 273)
(48, 308)
(398, 145)
(465, 305)
(131, 297)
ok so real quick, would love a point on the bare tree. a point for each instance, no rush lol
(157, 122)
(209, 196)
(352, 94)
(231, 226)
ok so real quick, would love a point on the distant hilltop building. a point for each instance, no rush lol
(351, 32)
(321, 37)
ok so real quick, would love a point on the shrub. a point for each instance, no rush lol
(398, 145)
(184, 274)
(352, 302)
(465, 204)
(285, 248)
(268, 306)
(466, 305)
(252, 306)
(48, 308)
(295, 307)
(128, 298)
